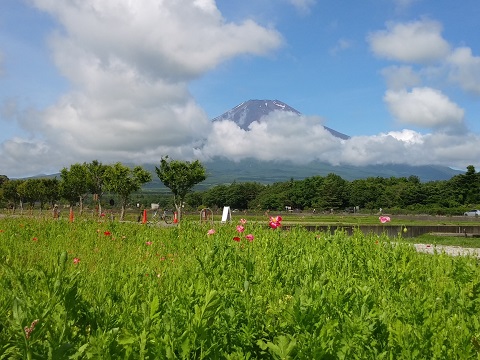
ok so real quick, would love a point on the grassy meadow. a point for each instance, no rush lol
(92, 289)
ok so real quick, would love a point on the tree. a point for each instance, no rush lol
(123, 181)
(31, 191)
(180, 177)
(333, 193)
(73, 186)
(3, 179)
(10, 192)
(95, 172)
(52, 190)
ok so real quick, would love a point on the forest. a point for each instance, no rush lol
(90, 184)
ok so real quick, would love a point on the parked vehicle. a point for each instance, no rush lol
(472, 213)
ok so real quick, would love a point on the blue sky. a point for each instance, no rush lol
(134, 81)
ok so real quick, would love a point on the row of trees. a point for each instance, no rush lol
(333, 192)
(317, 192)
(95, 179)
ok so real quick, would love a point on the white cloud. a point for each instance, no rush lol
(417, 42)
(341, 45)
(465, 69)
(282, 136)
(276, 138)
(403, 4)
(424, 107)
(411, 148)
(303, 6)
(400, 77)
(129, 64)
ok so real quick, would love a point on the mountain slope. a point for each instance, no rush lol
(253, 110)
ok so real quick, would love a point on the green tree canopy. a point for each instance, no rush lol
(73, 186)
(180, 177)
(95, 172)
(124, 181)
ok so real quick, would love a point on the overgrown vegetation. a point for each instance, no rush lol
(107, 290)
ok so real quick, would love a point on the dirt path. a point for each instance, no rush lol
(450, 250)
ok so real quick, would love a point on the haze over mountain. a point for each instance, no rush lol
(252, 113)
(254, 110)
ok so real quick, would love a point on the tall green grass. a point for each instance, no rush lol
(110, 290)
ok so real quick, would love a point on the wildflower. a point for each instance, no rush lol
(148, 243)
(1, 230)
(243, 221)
(211, 232)
(249, 237)
(384, 219)
(240, 228)
(275, 222)
(29, 330)
(107, 233)
(236, 238)
(35, 239)
(76, 260)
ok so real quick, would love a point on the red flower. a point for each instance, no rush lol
(236, 238)
(275, 222)
(76, 260)
(35, 239)
(107, 233)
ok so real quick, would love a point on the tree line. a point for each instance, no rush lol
(332, 192)
(316, 193)
(95, 179)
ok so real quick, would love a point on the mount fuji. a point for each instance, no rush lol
(253, 110)
(223, 170)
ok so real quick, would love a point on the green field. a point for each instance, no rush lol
(93, 289)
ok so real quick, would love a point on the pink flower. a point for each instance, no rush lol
(211, 232)
(243, 221)
(240, 228)
(384, 219)
(148, 243)
(249, 237)
(275, 222)
(76, 260)
(236, 238)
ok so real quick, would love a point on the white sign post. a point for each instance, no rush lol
(227, 214)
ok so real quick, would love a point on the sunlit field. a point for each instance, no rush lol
(243, 289)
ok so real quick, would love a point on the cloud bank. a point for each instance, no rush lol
(129, 65)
